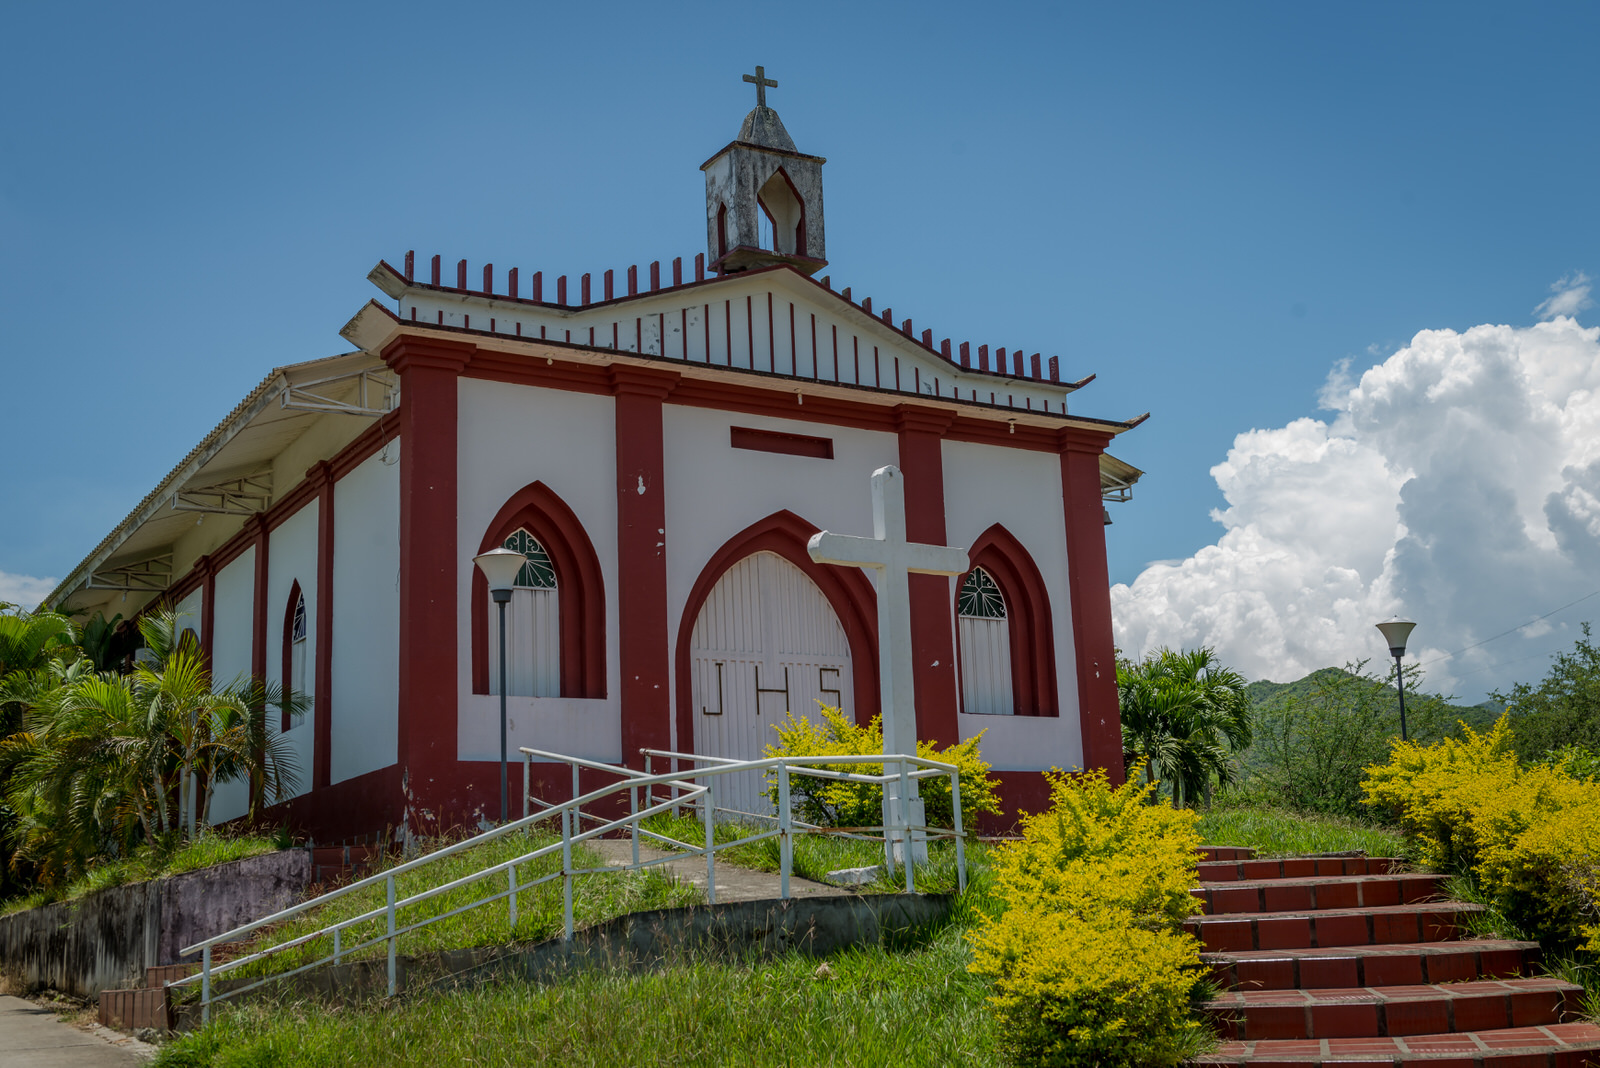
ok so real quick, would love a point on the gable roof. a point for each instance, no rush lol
(773, 320)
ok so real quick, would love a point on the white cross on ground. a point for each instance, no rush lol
(894, 558)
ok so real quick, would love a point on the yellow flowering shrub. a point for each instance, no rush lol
(1531, 835)
(831, 803)
(1071, 991)
(1099, 848)
(1089, 962)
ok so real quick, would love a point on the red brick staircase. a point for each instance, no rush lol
(1349, 960)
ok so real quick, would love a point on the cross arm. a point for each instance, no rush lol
(847, 550)
(934, 559)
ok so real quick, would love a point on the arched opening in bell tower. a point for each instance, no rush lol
(786, 212)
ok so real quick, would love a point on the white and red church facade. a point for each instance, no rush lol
(661, 448)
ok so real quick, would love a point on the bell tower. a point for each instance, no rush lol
(761, 178)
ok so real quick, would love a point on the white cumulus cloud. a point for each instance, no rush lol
(24, 590)
(1569, 296)
(1456, 482)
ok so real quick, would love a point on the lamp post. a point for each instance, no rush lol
(500, 567)
(1395, 632)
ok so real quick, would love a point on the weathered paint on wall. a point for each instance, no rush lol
(108, 938)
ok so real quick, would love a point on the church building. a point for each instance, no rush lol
(660, 443)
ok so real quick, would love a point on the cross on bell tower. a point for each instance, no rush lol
(762, 84)
(762, 173)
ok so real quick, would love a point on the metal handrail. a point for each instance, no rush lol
(687, 792)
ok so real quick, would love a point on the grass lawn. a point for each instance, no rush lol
(912, 1003)
(1276, 833)
(595, 898)
(151, 862)
(866, 1007)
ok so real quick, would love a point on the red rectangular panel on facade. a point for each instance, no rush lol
(774, 441)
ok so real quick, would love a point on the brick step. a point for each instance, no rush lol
(1377, 925)
(1570, 1045)
(1230, 854)
(1358, 1012)
(128, 1010)
(1383, 965)
(1317, 893)
(1223, 870)
(159, 975)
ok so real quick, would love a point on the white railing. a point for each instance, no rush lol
(684, 792)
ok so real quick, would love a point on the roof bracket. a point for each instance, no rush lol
(145, 576)
(245, 495)
(377, 393)
(1114, 489)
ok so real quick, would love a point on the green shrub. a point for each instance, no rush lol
(831, 803)
(1089, 961)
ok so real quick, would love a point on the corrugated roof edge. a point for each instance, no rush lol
(108, 544)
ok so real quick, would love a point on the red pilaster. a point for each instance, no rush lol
(429, 575)
(642, 559)
(1089, 583)
(932, 637)
(321, 473)
(208, 605)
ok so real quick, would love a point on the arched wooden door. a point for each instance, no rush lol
(766, 642)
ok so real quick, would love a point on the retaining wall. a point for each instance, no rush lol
(106, 939)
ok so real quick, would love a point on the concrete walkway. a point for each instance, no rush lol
(32, 1037)
(733, 882)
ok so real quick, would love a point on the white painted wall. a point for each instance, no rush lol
(291, 557)
(987, 484)
(365, 723)
(714, 490)
(191, 612)
(507, 437)
(231, 636)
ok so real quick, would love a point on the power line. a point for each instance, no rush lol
(1513, 630)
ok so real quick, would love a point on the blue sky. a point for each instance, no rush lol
(1207, 205)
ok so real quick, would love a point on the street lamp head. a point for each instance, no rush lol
(500, 567)
(1395, 632)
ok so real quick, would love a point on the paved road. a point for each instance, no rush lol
(32, 1037)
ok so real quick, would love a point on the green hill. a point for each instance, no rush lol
(1275, 695)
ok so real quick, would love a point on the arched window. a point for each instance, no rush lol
(296, 671)
(1004, 632)
(785, 214)
(985, 637)
(533, 626)
(536, 518)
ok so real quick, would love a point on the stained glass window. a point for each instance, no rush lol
(538, 573)
(980, 597)
(297, 630)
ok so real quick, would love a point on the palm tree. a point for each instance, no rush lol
(1182, 712)
(108, 760)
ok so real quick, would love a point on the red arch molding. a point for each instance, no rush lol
(1033, 645)
(848, 590)
(583, 597)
